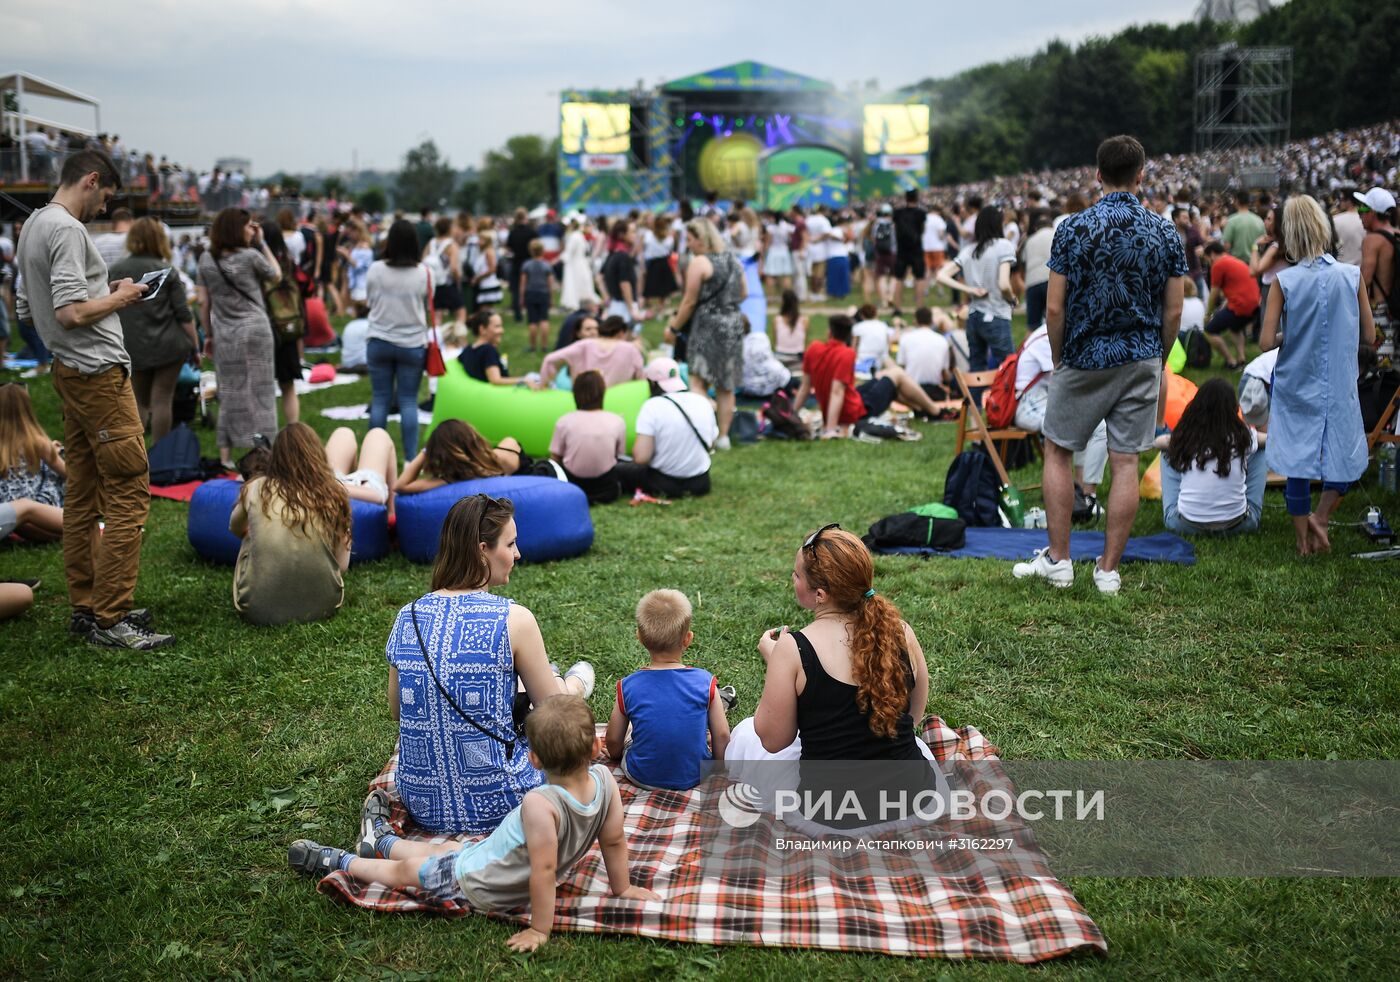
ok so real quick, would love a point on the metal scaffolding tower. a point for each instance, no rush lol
(1244, 97)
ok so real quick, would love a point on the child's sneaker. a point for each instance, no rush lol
(1060, 574)
(1107, 582)
(728, 696)
(314, 859)
(374, 822)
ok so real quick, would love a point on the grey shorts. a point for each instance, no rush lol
(1123, 397)
(9, 521)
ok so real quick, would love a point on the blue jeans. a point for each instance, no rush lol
(37, 350)
(1256, 472)
(984, 333)
(390, 365)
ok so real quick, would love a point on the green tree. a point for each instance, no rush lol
(520, 174)
(332, 186)
(426, 179)
(373, 200)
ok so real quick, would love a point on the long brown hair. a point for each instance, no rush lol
(23, 442)
(460, 564)
(457, 452)
(297, 472)
(839, 563)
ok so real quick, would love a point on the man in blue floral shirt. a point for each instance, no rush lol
(1117, 272)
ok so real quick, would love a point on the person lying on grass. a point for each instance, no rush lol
(535, 847)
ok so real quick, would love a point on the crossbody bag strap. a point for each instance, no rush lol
(691, 423)
(237, 289)
(509, 744)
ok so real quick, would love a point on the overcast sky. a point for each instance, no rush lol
(299, 85)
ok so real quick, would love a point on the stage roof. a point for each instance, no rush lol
(748, 76)
(33, 85)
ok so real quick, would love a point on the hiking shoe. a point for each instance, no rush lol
(584, 673)
(82, 621)
(1107, 582)
(374, 822)
(314, 859)
(728, 696)
(127, 633)
(1060, 574)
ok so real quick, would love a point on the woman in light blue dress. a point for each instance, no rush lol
(1316, 318)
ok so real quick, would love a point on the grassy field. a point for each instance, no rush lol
(152, 795)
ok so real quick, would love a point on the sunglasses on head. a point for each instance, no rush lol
(812, 539)
(1363, 210)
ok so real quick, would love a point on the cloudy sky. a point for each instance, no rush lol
(307, 84)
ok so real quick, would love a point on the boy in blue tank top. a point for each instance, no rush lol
(669, 706)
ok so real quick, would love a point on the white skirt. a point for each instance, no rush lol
(777, 261)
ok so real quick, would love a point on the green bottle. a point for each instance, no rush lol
(1013, 513)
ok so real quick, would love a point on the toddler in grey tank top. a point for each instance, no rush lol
(535, 846)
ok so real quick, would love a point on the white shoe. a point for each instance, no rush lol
(722, 443)
(1107, 582)
(584, 673)
(1060, 574)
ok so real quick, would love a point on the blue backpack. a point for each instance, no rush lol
(973, 489)
(175, 458)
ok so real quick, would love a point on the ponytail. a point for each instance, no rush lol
(880, 663)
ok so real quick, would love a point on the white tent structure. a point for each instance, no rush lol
(21, 121)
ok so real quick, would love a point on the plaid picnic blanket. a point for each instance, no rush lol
(965, 915)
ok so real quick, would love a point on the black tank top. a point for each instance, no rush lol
(834, 727)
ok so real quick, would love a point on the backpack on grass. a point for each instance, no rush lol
(909, 529)
(973, 489)
(1197, 349)
(175, 458)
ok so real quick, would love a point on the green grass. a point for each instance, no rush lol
(152, 796)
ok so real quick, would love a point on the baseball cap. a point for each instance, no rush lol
(666, 374)
(1377, 199)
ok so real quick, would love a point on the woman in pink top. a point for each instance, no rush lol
(790, 332)
(588, 441)
(610, 353)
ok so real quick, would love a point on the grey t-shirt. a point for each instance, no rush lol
(536, 273)
(983, 271)
(398, 304)
(61, 266)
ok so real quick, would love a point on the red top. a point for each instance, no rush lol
(832, 361)
(1234, 279)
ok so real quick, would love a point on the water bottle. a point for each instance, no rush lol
(1387, 466)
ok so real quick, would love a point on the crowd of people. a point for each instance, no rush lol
(853, 682)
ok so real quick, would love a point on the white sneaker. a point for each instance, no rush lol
(1060, 574)
(1109, 582)
(722, 443)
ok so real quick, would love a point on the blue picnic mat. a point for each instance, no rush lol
(999, 543)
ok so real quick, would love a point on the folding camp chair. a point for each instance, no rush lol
(972, 423)
(1383, 431)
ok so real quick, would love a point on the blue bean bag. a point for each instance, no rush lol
(551, 517)
(212, 505)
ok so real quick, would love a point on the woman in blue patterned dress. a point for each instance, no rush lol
(457, 657)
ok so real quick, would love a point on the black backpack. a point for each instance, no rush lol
(175, 458)
(782, 418)
(884, 236)
(973, 489)
(1197, 349)
(1374, 390)
(1392, 299)
(908, 529)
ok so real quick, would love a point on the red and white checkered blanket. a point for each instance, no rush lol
(1006, 918)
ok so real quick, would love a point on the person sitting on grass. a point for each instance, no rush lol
(764, 373)
(609, 353)
(668, 706)
(457, 452)
(31, 467)
(533, 849)
(1212, 471)
(829, 373)
(676, 431)
(16, 596)
(482, 360)
(294, 521)
(588, 441)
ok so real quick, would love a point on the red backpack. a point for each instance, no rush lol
(999, 404)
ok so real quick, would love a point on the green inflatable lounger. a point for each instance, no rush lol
(499, 411)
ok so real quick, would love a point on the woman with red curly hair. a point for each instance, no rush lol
(853, 682)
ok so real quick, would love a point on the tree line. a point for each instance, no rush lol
(1052, 108)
